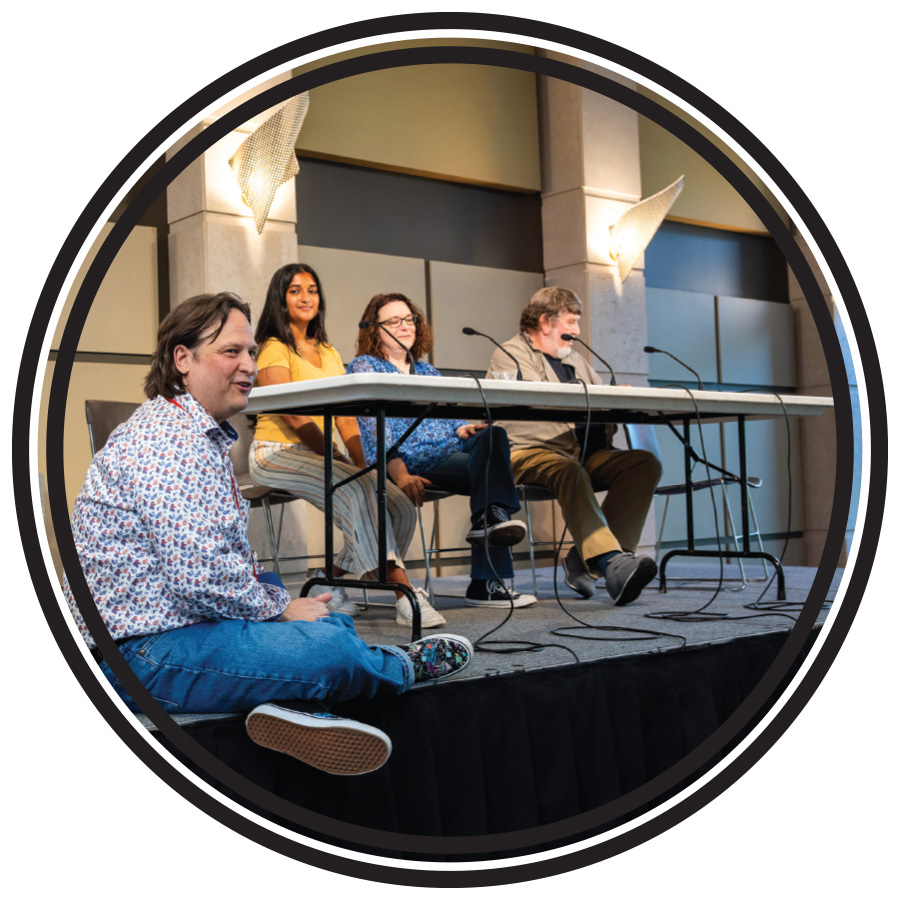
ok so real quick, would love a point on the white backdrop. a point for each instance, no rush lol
(83, 83)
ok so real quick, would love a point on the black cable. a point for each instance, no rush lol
(529, 646)
(782, 605)
(643, 634)
(701, 615)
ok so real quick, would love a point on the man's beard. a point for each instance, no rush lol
(564, 351)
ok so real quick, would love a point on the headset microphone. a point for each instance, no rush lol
(412, 363)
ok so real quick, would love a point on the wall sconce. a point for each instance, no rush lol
(629, 237)
(266, 159)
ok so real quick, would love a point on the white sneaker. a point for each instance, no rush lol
(326, 742)
(339, 602)
(431, 618)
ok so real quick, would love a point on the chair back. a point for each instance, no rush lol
(642, 436)
(240, 458)
(103, 416)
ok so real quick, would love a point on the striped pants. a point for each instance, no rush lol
(290, 467)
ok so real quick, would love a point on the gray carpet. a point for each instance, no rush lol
(535, 624)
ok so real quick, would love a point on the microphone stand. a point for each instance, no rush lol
(571, 337)
(470, 331)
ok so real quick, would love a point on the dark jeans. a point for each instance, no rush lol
(463, 473)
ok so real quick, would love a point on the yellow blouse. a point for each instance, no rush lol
(274, 353)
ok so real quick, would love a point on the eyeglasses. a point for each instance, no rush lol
(396, 321)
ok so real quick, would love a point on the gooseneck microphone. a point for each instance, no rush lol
(680, 363)
(571, 337)
(470, 331)
(396, 340)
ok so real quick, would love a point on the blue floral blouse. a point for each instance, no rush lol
(432, 442)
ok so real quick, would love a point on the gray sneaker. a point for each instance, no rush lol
(577, 576)
(339, 602)
(627, 575)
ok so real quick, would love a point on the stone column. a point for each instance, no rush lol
(213, 246)
(817, 447)
(590, 175)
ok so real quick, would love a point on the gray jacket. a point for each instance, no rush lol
(552, 435)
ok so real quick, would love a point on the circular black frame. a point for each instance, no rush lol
(424, 847)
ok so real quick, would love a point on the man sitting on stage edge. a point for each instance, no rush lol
(161, 534)
(548, 453)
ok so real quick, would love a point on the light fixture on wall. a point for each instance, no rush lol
(629, 237)
(266, 159)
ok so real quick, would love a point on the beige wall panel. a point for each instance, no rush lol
(707, 196)
(489, 300)
(350, 279)
(462, 122)
(124, 313)
(90, 381)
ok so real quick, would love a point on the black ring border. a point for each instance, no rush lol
(599, 48)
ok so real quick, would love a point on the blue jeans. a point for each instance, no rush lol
(233, 664)
(463, 473)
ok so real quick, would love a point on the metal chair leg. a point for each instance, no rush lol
(425, 553)
(270, 527)
(530, 543)
(729, 523)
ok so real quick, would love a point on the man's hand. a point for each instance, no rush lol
(306, 609)
(413, 486)
(466, 431)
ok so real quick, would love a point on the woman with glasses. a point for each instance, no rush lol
(288, 451)
(449, 454)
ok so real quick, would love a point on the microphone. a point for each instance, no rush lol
(471, 331)
(412, 363)
(686, 366)
(571, 337)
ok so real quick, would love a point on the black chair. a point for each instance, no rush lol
(103, 416)
(643, 437)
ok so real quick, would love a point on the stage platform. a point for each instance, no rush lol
(535, 624)
(532, 750)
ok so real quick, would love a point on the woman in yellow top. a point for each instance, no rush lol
(288, 451)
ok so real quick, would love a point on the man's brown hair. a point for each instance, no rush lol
(196, 321)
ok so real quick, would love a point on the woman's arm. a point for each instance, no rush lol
(348, 428)
(411, 485)
(303, 426)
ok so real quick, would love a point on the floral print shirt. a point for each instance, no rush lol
(161, 528)
(433, 441)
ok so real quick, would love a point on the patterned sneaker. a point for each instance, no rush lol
(577, 576)
(503, 531)
(627, 575)
(494, 594)
(339, 602)
(439, 656)
(326, 742)
(431, 618)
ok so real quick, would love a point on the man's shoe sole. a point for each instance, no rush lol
(503, 534)
(338, 747)
(643, 574)
(573, 585)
